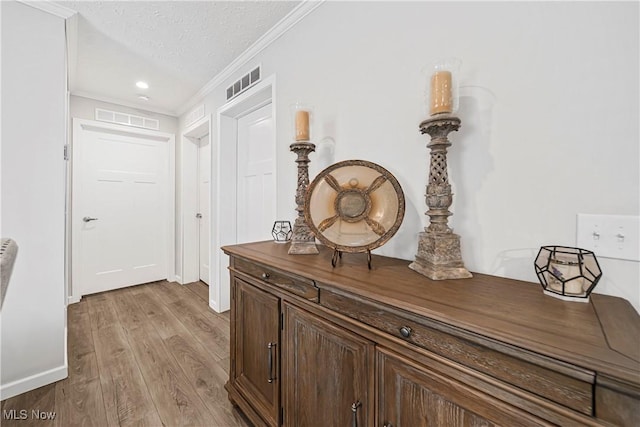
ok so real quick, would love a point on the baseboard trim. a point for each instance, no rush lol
(34, 381)
(73, 299)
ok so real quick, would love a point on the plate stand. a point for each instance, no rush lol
(338, 254)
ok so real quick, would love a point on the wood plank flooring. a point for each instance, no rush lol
(152, 355)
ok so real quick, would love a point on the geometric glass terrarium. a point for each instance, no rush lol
(567, 273)
(281, 231)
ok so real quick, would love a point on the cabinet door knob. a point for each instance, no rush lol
(387, 425)
(354, 409)
(265, 275)
(405, 331)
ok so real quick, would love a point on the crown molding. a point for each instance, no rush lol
(284, 25)
(51, 7)
(115, 101)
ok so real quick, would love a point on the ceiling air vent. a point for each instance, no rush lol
(126, 119)
(243, 83)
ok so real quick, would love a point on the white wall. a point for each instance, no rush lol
(549, 111)
(33, 201)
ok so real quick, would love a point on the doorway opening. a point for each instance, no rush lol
(123, 207)
(244, 181)
(195, 216)
(255, 192)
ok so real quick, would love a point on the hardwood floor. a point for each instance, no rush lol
(152, 355)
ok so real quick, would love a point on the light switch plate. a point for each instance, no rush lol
(610, 236)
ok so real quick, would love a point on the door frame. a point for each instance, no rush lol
(223, 215)
(188, 249)
(78, 126)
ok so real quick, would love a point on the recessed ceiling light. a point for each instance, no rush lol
(142, 85)
(143, 97)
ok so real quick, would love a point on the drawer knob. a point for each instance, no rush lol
(265, 275)
(405, 331)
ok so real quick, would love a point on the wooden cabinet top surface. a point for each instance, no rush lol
(602, 335)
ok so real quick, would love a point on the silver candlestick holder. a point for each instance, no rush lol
(439, 256)
(303, 241)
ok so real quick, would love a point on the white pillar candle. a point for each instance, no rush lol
(441, 93)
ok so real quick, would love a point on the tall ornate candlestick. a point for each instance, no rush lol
(439, 255)
(303, 241)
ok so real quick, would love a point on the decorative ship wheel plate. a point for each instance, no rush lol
(354, 206)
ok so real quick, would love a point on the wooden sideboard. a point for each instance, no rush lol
(313, 345)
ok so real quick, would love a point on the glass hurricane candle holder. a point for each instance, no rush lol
(281, 231)
(302, 119)
(567, 273)
(442, 88)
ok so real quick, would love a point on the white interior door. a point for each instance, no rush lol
(120, 216)
(256, 183)
(195, 158)
(204, 174)
(229, 154)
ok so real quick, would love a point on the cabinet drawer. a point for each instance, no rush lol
(561, 383)
(303, 287)
(410, 393)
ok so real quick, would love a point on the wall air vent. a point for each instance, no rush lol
(127, 119)
(243, 83)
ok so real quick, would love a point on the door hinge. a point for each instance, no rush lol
(66, 151)
(282, 321)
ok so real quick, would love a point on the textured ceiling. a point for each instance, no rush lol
(176, 46)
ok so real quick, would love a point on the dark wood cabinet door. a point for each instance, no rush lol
(415, 396)
(328, 373)
(257, 349)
